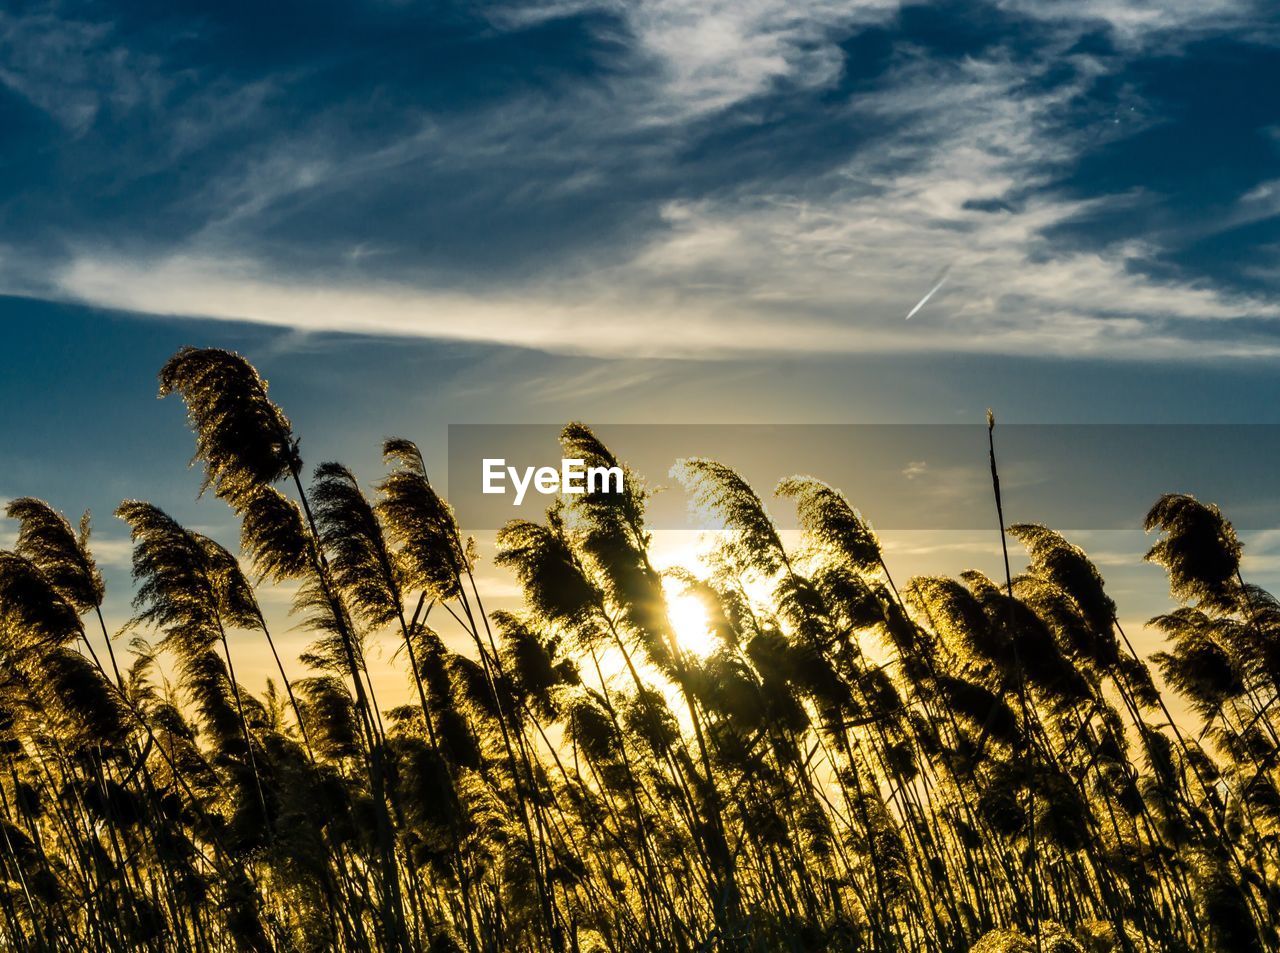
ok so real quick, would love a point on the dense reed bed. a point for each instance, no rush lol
(854, 762)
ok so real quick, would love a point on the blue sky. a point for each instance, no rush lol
(658, 177)
(412, 214)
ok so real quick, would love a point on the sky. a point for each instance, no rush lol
(411, 215)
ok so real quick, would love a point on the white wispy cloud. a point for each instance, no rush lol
(70, 69)
(830, 272)
(1144, 21)
(829, 265)
(716, 53)
(719, 52)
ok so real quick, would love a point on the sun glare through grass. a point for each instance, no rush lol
(689, 618)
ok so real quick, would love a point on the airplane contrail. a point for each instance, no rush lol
(937, 284)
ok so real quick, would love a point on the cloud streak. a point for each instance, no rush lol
(719, 180)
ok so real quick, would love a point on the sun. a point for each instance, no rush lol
(689, 619)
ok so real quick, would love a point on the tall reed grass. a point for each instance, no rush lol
(857, 763)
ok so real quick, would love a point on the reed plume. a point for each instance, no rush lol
(776, 748)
